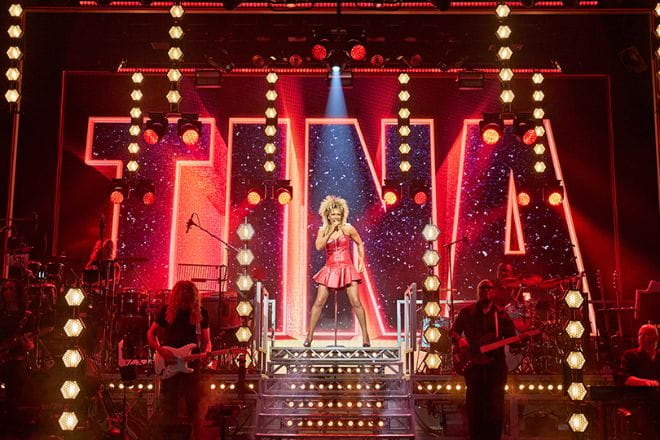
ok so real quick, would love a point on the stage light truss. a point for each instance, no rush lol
(271, 119)
(126, 188)
(14, 54)
(403, 124)
(175, 55)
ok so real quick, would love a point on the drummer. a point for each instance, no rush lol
(504, 290)
(101, 259)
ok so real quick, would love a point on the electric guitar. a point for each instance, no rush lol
(169, 368)
(464, 359)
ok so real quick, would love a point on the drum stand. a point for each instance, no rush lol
(335, 291)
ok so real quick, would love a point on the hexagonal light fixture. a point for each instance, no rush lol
(504, 53)
(503, 32)
(134, 130)
(137, 77)
(243, 334)
(68, 421)
(539, 167)
(403, 78)
(175, 53)
(432, 334)
(269, 148)
(173, 97)
(432, 309)
(538, 95)
(431, 283)
(430, 232)
(404, 148)
(537, 78)
(271, 95)
(72, 358)
(538, 113)
(502, 11)
(575, 360)
(174, 75)
(70, 389)
(269, 166)
(657, 9)
(12, 95)
(270, 130)
(578, 422)
(15, 10)
(136, 95)
(14, 53)
(245, 257)
(506, 74)
(13, 74)
(431, 257)
(136, 112)
(404, 113)
(574, 299)
(539, 149)
(176, 33)
(73, 327)
(244, 308)
(404, 95)
(574, 329)
(404, 166)
(74, 296)
(244, 283)
(433, 361)
(271, 78)
(14, 31)
(507, 96)
(404, 130)
(176, 11)
(133, 148)
(577, 391)
(132, 166)
(245, 231)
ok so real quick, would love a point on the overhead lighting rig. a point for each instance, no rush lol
(261, 190)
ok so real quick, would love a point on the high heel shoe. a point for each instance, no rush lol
(307, 343)
(366, 344)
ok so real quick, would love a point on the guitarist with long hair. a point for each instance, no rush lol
(181, 322)
(485, 377)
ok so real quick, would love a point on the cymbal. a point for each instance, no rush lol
(60, 259)
(551, 283)
(521, 281)
(20, 250)
(130, 260)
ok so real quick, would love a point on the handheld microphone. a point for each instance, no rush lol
(189, 223)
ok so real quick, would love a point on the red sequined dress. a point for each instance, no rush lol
(338, 271)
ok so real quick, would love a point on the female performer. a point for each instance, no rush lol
(338, 273)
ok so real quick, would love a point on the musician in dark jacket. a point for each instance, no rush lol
(482, 323)
(640, 367)
(182, 321)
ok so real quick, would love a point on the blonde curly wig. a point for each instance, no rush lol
(327, 205)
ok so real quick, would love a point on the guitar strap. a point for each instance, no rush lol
(497, 323)
(198, 334)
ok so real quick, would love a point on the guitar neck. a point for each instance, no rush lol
(194, 357)
(501, 343)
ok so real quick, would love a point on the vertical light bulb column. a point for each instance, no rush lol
(431, 304)
(15, 55)
(575, 361)
(136, 123)
(244, 284)
(175, 54)
(71, 358)
(403, 124)
(271, 125)
(538, 114)
(504, 53)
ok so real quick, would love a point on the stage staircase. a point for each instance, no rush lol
(347, 393)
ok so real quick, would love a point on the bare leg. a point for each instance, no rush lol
(352, 292)
(322, 294)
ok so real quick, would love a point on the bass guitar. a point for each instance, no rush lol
(169, 368)
(464, 359)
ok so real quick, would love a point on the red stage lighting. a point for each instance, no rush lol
(283, 197)
(146, 190)
(295, 60)
(118, 191)
(524, 129)
(555, 198)
(358, 52)
(391, 191)
(524, 199)
(283, 191)
(420, 197)
(253, 197)
(529, 137)
(419, 192)
(377, 60)
(189, 128)
(416, 60)
(319, 52)
(116, 197)
(148, 198)
(258, 60)
(491, 128)
(155, 128)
